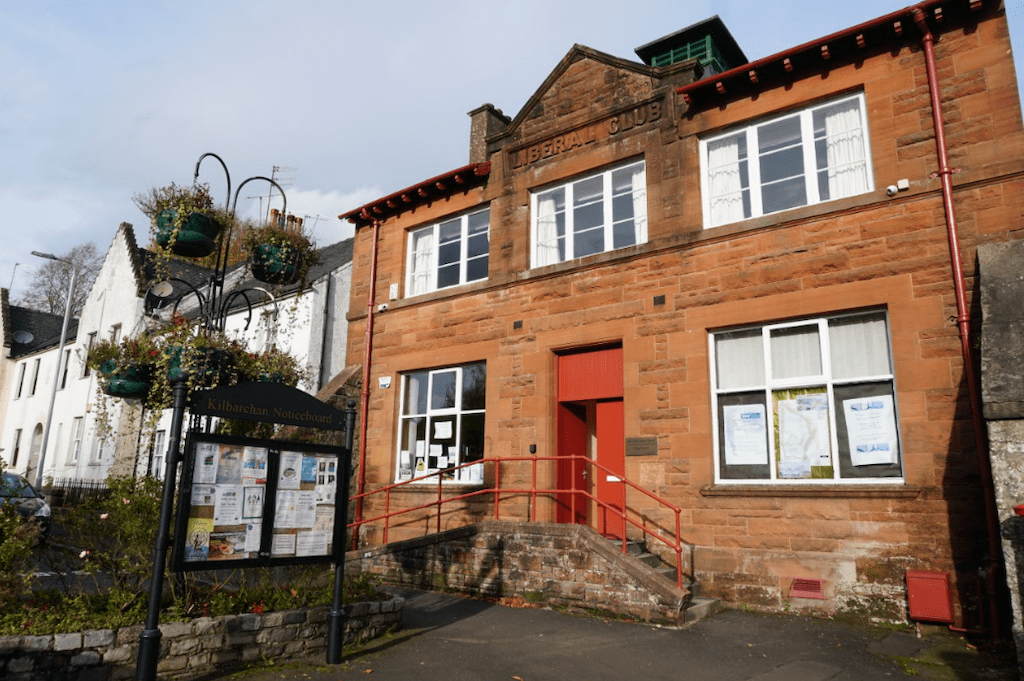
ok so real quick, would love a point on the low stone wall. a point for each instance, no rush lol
(568, 566)
(190, 649)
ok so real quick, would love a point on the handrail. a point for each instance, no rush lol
(533, 491)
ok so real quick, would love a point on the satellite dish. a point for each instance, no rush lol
(23, 337)
(162, 290)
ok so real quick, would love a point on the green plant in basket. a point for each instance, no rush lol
(125, 368)
(280, 255)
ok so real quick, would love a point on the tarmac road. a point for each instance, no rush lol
(450, 638)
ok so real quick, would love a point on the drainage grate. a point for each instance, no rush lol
(806, 588)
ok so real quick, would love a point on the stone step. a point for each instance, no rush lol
(700, 608)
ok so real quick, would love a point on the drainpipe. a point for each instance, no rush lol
(367, 356)
(963, 320)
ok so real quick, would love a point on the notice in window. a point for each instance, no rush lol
(254, 466)
(871, 428)
(291, 470)
(197, 543)
(315, 543)
(252, 503)
(746, 435)
(206, 463)
(228, 510)
(803, 431)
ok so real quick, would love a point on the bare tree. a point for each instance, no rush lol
(49, 288)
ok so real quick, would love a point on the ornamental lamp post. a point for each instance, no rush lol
(60, 360)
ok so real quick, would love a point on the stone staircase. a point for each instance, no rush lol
(699, 606)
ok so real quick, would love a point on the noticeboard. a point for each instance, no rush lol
(247, 502)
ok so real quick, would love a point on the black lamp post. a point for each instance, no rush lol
(212, 316)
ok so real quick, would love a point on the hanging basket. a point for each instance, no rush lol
(275, 264)
(195, 239)
(128, 381)
(208, 366)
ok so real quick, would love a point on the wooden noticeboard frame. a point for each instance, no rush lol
(246, 502)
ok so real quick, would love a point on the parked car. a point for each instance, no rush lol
(17, 492)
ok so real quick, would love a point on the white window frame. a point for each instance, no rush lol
(75, 446)
(748, 199)
(408, 458)
(546, 248)
(35, 376)
(16, 447)
(822, 383)
(22, 366)
(423, 271)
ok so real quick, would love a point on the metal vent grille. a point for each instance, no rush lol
(806, 588)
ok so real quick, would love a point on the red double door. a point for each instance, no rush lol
(589, 423)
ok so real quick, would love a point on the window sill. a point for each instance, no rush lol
(798, 491)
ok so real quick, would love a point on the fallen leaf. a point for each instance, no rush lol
(517, 678)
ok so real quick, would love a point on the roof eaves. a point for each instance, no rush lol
(813, 55)
(428, 191)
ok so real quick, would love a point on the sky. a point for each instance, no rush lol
(343, 102)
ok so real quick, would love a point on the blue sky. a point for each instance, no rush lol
(101, 99)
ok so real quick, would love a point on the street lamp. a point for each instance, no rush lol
(60, 360)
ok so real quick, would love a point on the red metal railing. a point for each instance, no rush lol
(497, 491)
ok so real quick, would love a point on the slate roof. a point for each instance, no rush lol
(44, 327)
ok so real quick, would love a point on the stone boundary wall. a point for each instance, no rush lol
(191, 649)
(566, 566)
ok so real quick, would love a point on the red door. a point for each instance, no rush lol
(571, 504)
(589, 423)
(608, 476)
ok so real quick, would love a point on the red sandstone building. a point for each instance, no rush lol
(730, 286)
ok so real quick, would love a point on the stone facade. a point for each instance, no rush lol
(1002, 346)
(191, 649)
(661, 300)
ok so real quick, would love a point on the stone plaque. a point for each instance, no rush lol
(641, 446)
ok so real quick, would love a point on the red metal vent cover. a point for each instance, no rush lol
(806, 588)
(928, 593)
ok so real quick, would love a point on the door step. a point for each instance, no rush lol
(699, 606)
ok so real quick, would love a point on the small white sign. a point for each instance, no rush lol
(384, 382)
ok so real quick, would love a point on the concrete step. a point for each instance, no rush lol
(700, 608)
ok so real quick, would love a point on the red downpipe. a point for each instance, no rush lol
(367, 356)
(964, 321)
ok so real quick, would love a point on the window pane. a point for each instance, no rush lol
(796, 352)
(587, 217)
(859, 346)
(472, 438)
(476, 269)
(783, 164)
(866, 431)
(476, 244)
(624, 234)
(784, 195)
(442, 390)
(743, 437)
(589, 242)
(739, 359)
(448, 276)
(415, 399)
(778, 134)
(588, 191)
(474, 380)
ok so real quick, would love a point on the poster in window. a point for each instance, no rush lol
(746, 434)
(803, 434)
(291, 470)
(252, 502)
(228, 510)
(254, 466)
(206, 463)
(197, 542)
(313, 543)
(871, 430)
(227, 546)
(229, 466)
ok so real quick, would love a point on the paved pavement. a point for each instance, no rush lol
(451, 638)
